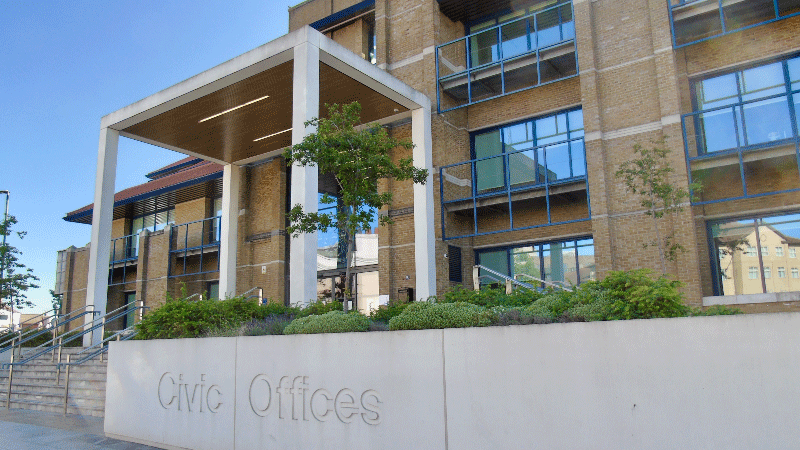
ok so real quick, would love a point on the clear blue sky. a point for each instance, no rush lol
(65, 64)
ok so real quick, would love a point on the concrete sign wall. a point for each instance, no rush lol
(718, 382)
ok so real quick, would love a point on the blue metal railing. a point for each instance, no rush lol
(720, 17)
(124, 250)
(542, 167)
(193, 239)
(739, 129)
(461, 61)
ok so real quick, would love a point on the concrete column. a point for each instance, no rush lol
(305, 180)
(229, 230)
(102, 215)
(424, 235)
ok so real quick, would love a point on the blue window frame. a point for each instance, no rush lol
(568, 262)
(696, 21)
(505, 55)
(518, 175)
(741, 140)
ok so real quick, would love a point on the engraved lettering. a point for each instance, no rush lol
(286, 390)
(257, 394)
(171, 380)
(345, 405)
(328, 408)
(369, 401)
(209, 402)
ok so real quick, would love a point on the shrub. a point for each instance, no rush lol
(637, 295)
(516, 316)
(187, 319)
(320, 307)
(330, 322)
(489, 297)
(424, 315)
(273, 324)
(385, 313)
(716, 310)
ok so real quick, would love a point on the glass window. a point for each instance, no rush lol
(792, 253)
(566, 263)
(734, 239)
(563, 160)
(795, 272)
(212, 290)
(735, 114)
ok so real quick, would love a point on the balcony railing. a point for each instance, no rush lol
(189, 247)
(124, 255)
(507, 58)
(745, 149)
(696, 21)
(515, 190)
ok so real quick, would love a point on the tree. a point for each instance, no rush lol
(357, 159)
(16, 279)
(648, 175)
(56, 300)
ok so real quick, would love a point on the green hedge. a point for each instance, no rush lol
(330, 322)
(424, 315)
(188, 319)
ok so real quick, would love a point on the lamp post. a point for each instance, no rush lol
(3, 262)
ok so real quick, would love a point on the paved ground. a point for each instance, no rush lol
(35, 430)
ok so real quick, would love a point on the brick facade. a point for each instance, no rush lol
(632, 87)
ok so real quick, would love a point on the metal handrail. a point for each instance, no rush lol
(260, 295)
(97, 323)
(556, 284)
(10, 334)
(122, 335)
(65, 319)
(92, 326)
(510, 282)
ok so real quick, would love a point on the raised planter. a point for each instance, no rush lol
(728, 382)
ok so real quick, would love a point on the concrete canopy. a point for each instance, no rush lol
(249, 109)
(240, 111)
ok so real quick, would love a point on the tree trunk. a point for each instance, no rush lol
(348, 282)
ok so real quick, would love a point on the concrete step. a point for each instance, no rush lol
(57, 407)
(37, 385)
(77, 400)
(96, 390)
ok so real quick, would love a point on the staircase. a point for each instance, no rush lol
(37, 385)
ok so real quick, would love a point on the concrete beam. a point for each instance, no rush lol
(305, 180)
(102, 216)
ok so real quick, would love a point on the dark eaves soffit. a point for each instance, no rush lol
(465, 11)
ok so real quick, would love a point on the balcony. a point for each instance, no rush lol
(750, 147)
(696, 21)
(124, 257)
(515, 190)
(530, 51)
(194, 247)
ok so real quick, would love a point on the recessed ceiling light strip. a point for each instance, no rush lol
(234, 108)
(270, 135)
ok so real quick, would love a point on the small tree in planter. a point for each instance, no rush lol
(357, 159)
(648, 175)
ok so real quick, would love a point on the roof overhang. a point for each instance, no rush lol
(254, 93)
(466, 11)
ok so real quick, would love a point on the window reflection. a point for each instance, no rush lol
(563, 262)
(744, 263)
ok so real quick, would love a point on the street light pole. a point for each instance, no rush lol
(3, 265)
